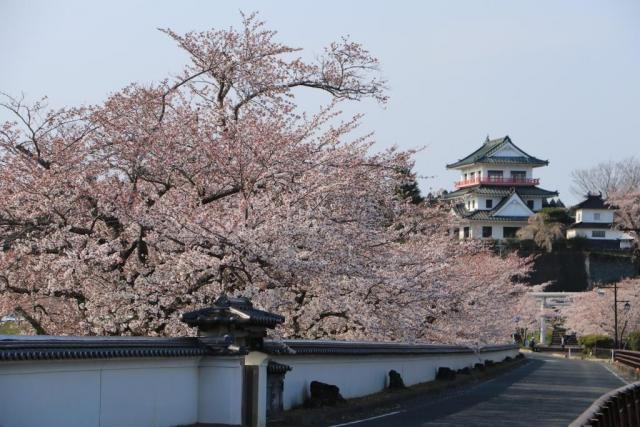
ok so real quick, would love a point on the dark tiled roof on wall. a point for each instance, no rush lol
(227, 311)
(593, 201)
(321, 347)
(15, 348)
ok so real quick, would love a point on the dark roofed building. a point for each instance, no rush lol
(594, 221)
(497, 192)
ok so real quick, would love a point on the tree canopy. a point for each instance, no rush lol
(116, 218)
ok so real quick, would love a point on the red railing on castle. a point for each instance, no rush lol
(496, 181)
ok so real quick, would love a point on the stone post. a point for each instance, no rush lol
(543, 325)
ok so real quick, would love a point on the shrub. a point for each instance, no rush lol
(560, 215)
(577, 243)
(633, 340)
(591, 341)
(445, 374)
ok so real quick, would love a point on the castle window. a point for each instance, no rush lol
(489, 203)
(509, 232)
(518, 175)
(495, 175)
(487, 231)
(465, 232)
(530, 204)
(598, 233)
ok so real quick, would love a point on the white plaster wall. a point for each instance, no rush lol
(537, 203)
(588, 215)
(506, 170)
(508, 151)
(50, 394)
(117, 392)
(483, 170)
(514, 208)
(469, 169)
(220, 390)
(156, 393)
(362, 375)
(497, 229)
(468, 202)
(586, 232)
(482, 202)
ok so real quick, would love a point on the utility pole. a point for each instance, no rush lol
(627, 306)
(615, 315)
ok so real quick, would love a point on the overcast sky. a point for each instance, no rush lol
(560, 77)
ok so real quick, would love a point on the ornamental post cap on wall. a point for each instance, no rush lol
(231, 311)
(234, 316)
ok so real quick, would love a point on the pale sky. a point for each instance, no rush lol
(560, 77)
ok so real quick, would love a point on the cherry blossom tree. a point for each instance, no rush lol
(627, 216)
(116, 218)
(593, 313)
(543, 230)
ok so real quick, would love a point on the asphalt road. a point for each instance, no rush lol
(545, 391)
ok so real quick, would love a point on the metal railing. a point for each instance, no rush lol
(620, 407)
(628, 358)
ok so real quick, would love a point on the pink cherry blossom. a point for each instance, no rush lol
(118, 217)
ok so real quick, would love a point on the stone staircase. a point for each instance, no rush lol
(560, 333)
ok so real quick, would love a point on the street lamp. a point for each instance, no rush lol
(626, 308)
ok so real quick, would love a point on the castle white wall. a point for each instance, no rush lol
(497, 229)
(514, 208)
(134, 392)
(537, 203)
(483, 170)
(590, 215)
(479, 202)
(363, 375)
(508, 151)
(587, 233)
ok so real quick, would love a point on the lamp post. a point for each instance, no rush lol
(627, 307)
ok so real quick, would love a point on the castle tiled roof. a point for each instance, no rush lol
(500, 191)
(593, 201)
(490, 146)
(490, 214)
(486, 215)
